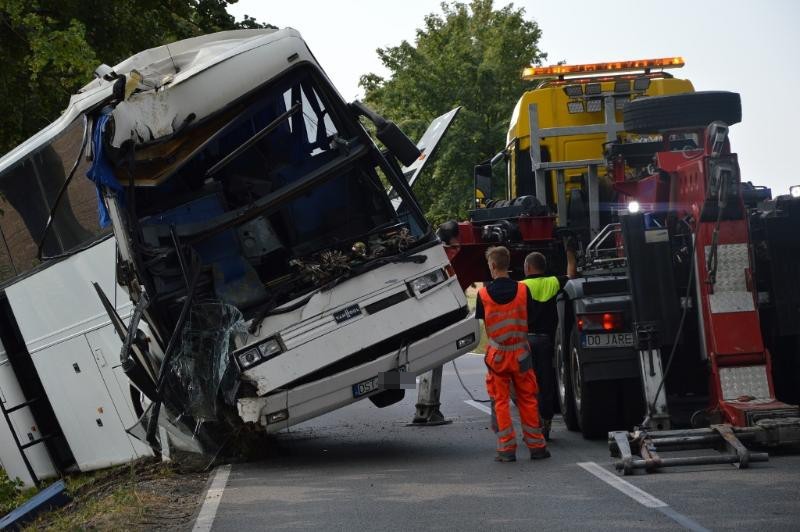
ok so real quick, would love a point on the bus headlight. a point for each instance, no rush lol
(422, 284)
(259, 353)
(249, 358)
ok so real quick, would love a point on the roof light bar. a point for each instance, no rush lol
(592, 79)
(531, 73)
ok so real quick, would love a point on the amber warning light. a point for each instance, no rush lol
(601, 68)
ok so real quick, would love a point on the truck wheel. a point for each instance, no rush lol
(675, 111)
(564, 382)
(595, 402)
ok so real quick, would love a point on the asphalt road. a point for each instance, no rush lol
(362, 468)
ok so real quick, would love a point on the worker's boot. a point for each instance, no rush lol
(546, 424)
(507, 456)
(539, 453)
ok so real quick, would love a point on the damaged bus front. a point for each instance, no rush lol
(256, 238)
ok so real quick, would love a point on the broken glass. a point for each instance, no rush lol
(202, 361)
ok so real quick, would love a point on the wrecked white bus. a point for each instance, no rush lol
(272, 277)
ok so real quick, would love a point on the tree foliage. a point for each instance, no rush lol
(471, 55)
(50, 48)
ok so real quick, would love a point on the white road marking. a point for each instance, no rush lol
(638, 495)
(641, 496)
(479, 406)
(213, 497)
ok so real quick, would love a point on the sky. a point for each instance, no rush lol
(747, 46)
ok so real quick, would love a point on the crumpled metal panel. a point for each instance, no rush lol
(730, 290)
(748, 381)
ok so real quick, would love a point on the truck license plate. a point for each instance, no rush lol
(365, 387)
(607, 340)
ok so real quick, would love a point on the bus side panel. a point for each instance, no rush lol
(76, 353)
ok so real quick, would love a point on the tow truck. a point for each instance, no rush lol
(683, 324)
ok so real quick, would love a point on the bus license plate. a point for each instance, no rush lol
(365, 387)
(607, 340)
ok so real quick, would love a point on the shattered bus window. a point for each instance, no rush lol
(201, 364)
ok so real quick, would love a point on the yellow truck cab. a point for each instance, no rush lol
(558, 130)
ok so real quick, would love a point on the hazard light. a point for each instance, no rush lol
(531, 73)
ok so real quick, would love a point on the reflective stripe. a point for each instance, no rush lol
(522, 356)
(531, 430)
(505, 433)
(506, 323)
(500, 315)
(507, 346)
(498, 358)
(518, 337)
(510, 448)
(513, 348)
(537, 444)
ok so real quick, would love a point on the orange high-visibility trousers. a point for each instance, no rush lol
(498, 382)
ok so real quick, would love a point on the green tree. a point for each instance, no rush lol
(471, 55)
(49, 48)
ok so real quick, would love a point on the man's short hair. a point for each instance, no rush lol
(535, 261)
(500, 256)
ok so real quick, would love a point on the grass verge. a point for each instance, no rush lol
(144, 495)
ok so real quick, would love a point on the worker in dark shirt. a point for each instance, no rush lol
(542, 324)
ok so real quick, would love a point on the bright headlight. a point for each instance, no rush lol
(633, 207)
(795, 191)
(420, 285)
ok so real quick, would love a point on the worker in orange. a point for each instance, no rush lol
(503, 307)
(542, 323)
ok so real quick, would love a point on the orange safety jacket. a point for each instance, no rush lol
(507, 329)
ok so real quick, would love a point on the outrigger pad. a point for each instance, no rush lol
(639, 449)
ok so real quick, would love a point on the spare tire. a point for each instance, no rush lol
(679, 111)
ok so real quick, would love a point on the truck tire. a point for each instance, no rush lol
(564, 382)
(595, 402)
(677, 111)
